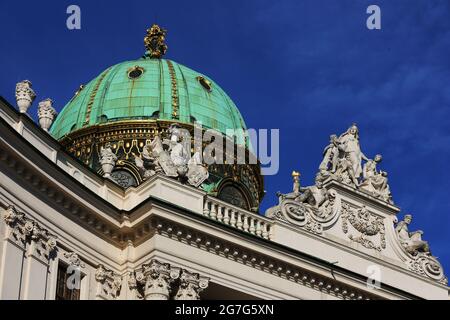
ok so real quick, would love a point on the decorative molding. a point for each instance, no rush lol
(258, 261)
(367, 225)
(312, 218)
(175, 99)
(74, 259)
(157, 281)
(428, 266)
(153, 280)
(24, 230)
(191, 284)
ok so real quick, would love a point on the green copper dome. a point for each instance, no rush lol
(150, 89)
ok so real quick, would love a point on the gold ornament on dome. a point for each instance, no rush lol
(154, 42)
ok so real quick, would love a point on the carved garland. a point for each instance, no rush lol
(366, 223)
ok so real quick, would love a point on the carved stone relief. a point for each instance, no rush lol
(363, 227)
(24, 231)
(160, 281)
(313, 208)
(417, 251)
(109, 283)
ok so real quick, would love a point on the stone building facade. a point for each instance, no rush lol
(100, 202)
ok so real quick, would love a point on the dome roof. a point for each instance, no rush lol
(146, 89)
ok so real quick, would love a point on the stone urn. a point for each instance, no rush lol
(46, 114)
(24, 95)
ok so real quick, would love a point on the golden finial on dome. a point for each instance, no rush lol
(154, 42)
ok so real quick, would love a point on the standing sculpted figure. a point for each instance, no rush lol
(330, 155)
(107, 159)
(178, 153)
(411, 241)
(349, 143)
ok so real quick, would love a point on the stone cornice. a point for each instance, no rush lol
(269, 264)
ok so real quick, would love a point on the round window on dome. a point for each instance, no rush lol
(205, 83)
(135, 72)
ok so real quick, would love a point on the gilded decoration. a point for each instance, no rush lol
(128, 140)
(154, 42)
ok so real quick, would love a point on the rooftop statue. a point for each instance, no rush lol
(419, 260)
(375, 182)
(24, 95)
(343, 161)
(46, 114)
(171, 156)
(349, 144)
(331, 155)
(411, 241)
(107, 159)
(310, 207)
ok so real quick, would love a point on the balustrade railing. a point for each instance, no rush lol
(237, 217)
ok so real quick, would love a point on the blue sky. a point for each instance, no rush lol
(309, 68)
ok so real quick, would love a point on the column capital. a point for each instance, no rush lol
(191, 284)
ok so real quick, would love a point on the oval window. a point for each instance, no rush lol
(135, 72)
(205, 83)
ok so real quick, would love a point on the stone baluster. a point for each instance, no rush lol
(220, 210)
(239, 223)
(265, 233)
(191, 284)
(206, 208)
(245, 225)
(258, 228)
(233, 218)
(213, 213)
(226, 217)
(252, 228)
